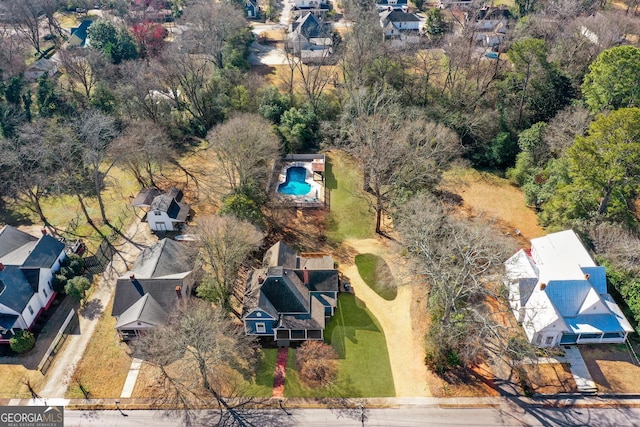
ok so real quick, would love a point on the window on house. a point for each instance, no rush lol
(538, 339)
(297, 335)
(261, 328)
(30, 309)
(549, 341)
(156, 213)
(50, 285)
(44, 291)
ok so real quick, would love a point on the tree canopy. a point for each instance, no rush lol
(612, 81)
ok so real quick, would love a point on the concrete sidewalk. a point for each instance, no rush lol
(132, 378)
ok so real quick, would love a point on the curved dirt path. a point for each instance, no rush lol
(406, 353)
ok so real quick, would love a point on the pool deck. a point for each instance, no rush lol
(313, 199)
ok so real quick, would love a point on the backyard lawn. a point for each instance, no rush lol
(376, 274)
(363, 365)
(350, 216)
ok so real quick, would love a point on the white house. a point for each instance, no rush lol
(165, 211)
(310, 4)
(389, 5)
(310, 39)
(559, 294)
(400, 25)
(27, 266)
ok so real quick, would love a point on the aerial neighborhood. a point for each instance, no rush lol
(235, 205)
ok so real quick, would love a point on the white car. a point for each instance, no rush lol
(185, 238)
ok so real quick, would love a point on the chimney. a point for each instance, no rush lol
(178, 293)
(587, 276)
(132, 276)
(543, 286)
(43, 231)
(306, 276)
(1, 266)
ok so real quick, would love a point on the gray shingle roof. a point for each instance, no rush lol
(12, 239)
(145, 197)
(146, 310)
(45, 253)
(285, 291)
(162, 259)
(280, 255)
(308, 26)
(129, 291)
(18, 291)
(320, 280)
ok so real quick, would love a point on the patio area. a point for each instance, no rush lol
(299, 181)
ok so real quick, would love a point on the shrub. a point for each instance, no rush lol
(59, 282)
(22, 341)
(316, 362)
(77, 287)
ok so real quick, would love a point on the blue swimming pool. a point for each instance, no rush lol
(295, 184)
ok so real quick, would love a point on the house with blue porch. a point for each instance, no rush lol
(559, 295)
(291, 297)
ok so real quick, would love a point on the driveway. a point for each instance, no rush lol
(406, 351)
(62, 368)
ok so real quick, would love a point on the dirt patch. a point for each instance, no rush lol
(612, 368)
(473, 382)
(495, 198)
(551, 378)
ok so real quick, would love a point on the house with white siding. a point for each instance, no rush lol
(559, 294)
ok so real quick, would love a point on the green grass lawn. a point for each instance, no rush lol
(262, 385)
(376, 273)
(350, 216)
(363, 365)
(64, 212)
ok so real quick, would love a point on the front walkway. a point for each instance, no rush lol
(132, 377)
(281, 371)
(579, 370)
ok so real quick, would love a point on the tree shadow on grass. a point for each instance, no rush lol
(350, 316)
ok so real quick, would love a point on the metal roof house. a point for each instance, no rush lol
(559, 294)
(146, 295)
(27, 266)
(291, 297)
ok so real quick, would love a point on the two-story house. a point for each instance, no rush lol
(27, 266)
(291, 297)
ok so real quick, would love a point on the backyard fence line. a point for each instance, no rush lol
(47, 358)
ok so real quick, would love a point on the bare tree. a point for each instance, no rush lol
(96, 132)
(78, 65)
(400, 156)
(245, 147)
(11, 54)
(201, 354)
(25, 15)
(28, 167)
(224, 243)
(461, 262)
(142, 150)
(212, 23)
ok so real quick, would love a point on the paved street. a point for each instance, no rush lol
(510, 415)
